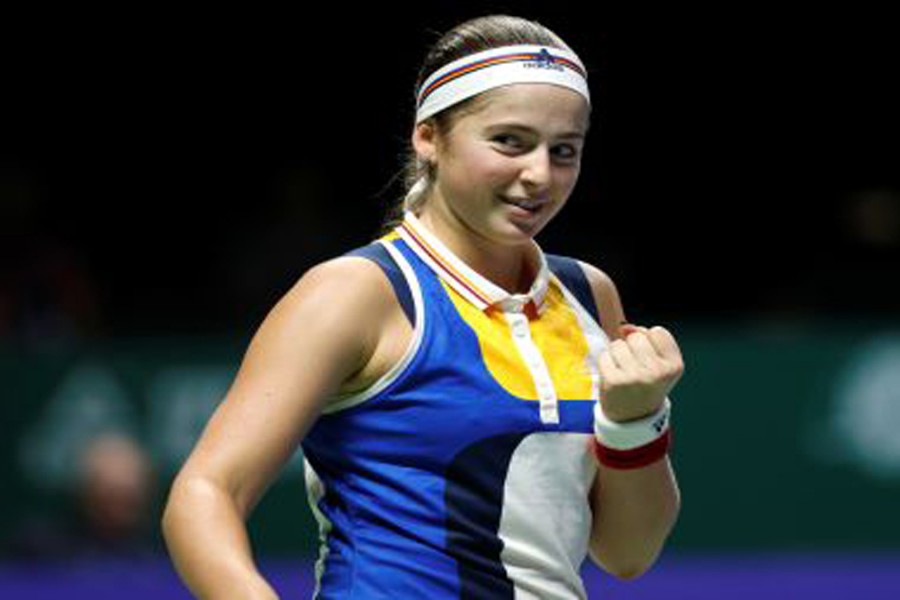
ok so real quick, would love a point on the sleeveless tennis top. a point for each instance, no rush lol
(465, 471)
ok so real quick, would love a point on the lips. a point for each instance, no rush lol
(529, 204)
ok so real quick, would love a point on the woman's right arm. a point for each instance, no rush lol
(325, 329)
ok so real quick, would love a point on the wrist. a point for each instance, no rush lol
(632, 444)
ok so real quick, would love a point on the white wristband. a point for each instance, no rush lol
(631, 434)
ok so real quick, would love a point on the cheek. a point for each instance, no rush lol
(495, 168)
(567, 179)
(481, 166)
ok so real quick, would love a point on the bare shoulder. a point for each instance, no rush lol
(341, 283)
(606, 295)
(344, 292)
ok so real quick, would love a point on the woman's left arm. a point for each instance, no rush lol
(634, 509)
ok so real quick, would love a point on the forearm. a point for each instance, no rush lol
(207, 540)
(634, 511)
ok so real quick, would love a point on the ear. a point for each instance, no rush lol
(424, 141)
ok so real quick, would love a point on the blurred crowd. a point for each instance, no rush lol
(109, 508)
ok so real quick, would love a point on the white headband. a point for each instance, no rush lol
(482, 71)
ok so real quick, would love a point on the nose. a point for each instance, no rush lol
(536, 169)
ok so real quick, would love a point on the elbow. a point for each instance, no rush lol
(193, 498)
(622, 568)
(634, 554)
(168, 520)
(628, 572)
(185, 498)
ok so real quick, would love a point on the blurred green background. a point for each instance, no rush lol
(786, 434)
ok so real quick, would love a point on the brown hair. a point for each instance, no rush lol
(467, 38)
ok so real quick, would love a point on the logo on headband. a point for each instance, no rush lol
(543, 60)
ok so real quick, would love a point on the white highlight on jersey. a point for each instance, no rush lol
(546, 516)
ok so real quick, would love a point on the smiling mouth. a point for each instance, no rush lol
(530, 204)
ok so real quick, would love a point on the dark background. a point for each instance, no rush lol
(173, 171)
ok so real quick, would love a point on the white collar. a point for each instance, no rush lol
(471, 285)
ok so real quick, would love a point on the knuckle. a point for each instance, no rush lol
(673, 368)
(661, 332)
(645, 377)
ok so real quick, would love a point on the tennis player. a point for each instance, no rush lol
(476, 416)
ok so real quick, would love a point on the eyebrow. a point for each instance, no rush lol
(569, 135)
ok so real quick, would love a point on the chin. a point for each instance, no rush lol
(518, 232)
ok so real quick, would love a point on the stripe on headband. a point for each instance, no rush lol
(482, 71)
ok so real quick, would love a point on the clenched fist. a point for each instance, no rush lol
(638, 371)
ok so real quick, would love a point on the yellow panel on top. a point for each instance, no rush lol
(557, 334)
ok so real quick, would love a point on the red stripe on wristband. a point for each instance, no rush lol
(634, 458)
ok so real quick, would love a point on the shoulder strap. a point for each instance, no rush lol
(377, 254)
(572, 276)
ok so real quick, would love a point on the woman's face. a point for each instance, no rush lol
(506, 168)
